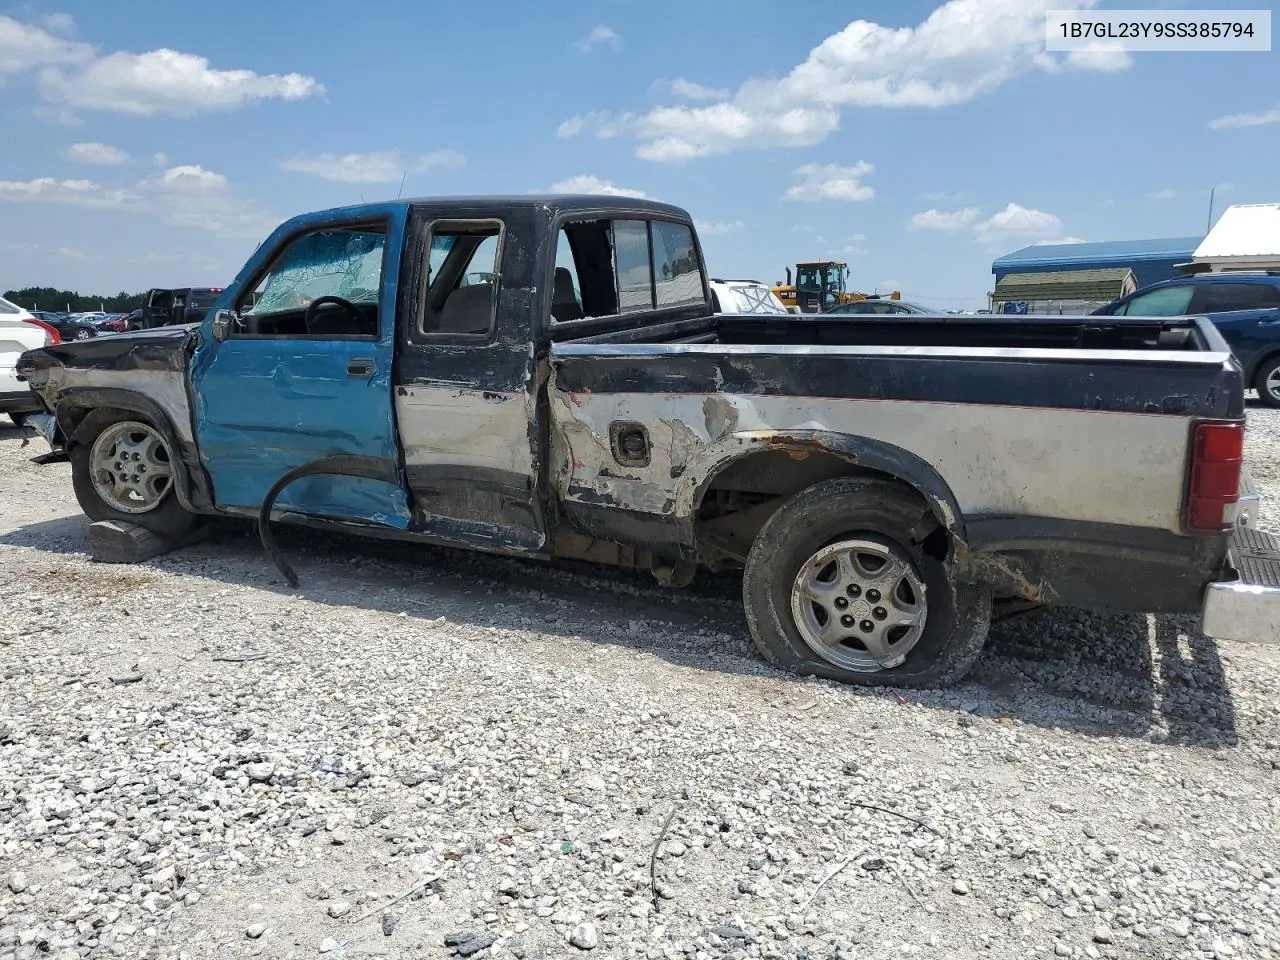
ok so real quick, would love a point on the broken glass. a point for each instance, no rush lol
(328, 263)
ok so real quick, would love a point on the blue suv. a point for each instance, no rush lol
(1245, 307)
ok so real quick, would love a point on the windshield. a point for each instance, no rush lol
(341, 263)
(816, 278)
(756, 299)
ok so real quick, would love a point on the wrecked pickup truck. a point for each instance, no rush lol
(544, 375)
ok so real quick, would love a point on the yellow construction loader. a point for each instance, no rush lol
(819, 286)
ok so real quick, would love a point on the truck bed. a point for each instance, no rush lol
(1121, 365)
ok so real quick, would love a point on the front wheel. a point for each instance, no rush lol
(1267, 382)
(840, 584)
(122, 469)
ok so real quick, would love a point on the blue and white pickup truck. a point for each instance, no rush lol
(545, 376)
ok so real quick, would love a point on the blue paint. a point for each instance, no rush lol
(263, 406)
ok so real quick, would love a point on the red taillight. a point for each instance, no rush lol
(1216, 459)
(51, 335)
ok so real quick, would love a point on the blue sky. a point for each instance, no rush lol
(152, 143)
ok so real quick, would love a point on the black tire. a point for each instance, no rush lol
(19, 419)
(1265, 372)
(958, 614)
(168, 520)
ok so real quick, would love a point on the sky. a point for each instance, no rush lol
(150, 143)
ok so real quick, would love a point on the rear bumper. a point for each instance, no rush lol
(1247, 606)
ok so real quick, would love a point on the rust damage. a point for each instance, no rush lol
(802, 449)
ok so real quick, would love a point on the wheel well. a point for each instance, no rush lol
(1258, 365)
(73, 411)
(739, 499)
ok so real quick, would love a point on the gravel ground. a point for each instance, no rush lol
(428, 754)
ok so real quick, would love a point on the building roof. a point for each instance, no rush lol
(1107, 284)
(1245, 231)
(1125, 251)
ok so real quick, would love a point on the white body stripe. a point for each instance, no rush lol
(1122, 468)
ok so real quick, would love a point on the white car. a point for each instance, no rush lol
(19, 332)
(744, 296)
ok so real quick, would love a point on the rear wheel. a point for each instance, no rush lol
(19, 419)
(839, 583)
(1267, 382)
(122, 469)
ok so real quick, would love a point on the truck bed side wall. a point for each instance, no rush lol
(1089, 448)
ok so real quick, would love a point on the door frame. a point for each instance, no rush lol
(392, 219)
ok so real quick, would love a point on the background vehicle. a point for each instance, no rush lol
(1245, 307)
(178, 306)
(820, 285)
(744, 296)
(110, 323)
(880, 482)
(878, 306)
(20, 331)
(68, 327)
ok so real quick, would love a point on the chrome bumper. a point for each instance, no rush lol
(1246, 608)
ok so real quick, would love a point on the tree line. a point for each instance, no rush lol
(48, 298)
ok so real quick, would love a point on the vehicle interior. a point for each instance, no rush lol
(325, 283)
(459, 286)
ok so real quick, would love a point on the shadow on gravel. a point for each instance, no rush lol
(1143, 675)
(1131, 675)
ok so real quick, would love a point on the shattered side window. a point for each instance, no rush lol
(632, 265)
(327, 263)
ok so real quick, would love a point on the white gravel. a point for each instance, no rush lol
(445, 755)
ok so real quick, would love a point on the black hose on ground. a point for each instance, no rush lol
(346, 465)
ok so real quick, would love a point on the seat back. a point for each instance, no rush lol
(564, 302)
(468, 310)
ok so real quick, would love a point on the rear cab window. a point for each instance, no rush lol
(624, 266)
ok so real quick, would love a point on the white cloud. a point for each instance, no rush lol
(187, 196)
(688, 90)
(830, 181)
(604, 124)
(99, 153)
(587, 183)
(25, 47)
(1100, 57)
(59, 22)
(1058, 241)
(387, 166)
(191, 196)
(160, 159)
(1017, 222)
(66, 253)
(167, 82)
(963, 50)
(189, 177)
(1236, 121)
(853, 246)
(715, 228)
(1164, 194)
(597, 36)
(947, 222)
(79, 193)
